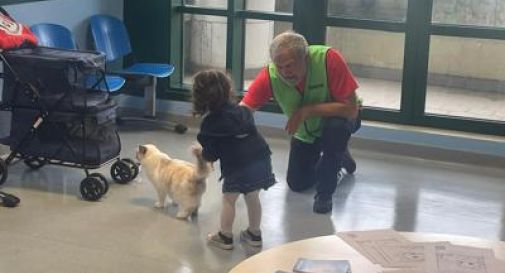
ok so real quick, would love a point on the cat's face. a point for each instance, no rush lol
(144, 150)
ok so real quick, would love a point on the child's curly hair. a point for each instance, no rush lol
(211, 90)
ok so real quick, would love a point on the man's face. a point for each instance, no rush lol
(291, 68)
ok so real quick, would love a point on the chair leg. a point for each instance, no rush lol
(150, 109)
(150, 98)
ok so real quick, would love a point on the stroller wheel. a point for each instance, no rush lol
(122, 172)
(91, 188)
(180, 129)
(3, 171)
(35, 162)
(103, 180)
(134, 166)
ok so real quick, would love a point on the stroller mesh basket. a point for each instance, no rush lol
(56, 79)
(59, 115)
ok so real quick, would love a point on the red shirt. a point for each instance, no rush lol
(341, 82)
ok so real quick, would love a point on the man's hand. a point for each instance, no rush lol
(296, 120)
(328, 109)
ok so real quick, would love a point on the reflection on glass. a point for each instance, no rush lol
(466, 78)
(270, 5)
(376, 60)
(221, 4)
(259, 34)
(394, 10)
(204, 44)
(480, 13)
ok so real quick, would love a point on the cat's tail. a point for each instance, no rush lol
(203, 167)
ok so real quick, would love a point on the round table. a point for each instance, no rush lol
(283, 257)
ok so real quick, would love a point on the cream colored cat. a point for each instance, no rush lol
(182, 181)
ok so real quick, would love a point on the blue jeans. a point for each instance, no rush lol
(318, 163)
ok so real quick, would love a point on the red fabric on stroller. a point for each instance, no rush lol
(14, 34)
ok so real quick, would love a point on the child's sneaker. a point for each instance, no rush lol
(220, 240)
(250, 238)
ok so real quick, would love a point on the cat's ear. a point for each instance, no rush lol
(142, 149)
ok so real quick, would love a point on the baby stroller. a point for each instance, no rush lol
(61, 115)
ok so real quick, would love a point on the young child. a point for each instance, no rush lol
(228, 134)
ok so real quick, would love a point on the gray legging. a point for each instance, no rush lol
(253, 205)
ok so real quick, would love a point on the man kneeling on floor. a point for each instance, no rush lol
(316, 90)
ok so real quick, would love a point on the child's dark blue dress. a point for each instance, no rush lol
(230, 135)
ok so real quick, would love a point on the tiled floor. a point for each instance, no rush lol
(54, 231)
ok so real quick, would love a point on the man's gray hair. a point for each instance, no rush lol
(292, 41)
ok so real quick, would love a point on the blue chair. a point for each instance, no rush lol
(58, 36)
(111, 37)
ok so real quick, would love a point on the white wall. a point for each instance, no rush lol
(73, 14)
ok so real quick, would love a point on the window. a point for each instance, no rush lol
(481, 13)
(394, 10)
(269, 5)
(376, 60)
(461, 89)
(259, 34)
(466, 78)
(221, 4)
(204, 44)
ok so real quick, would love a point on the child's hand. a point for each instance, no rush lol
(197, 149)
